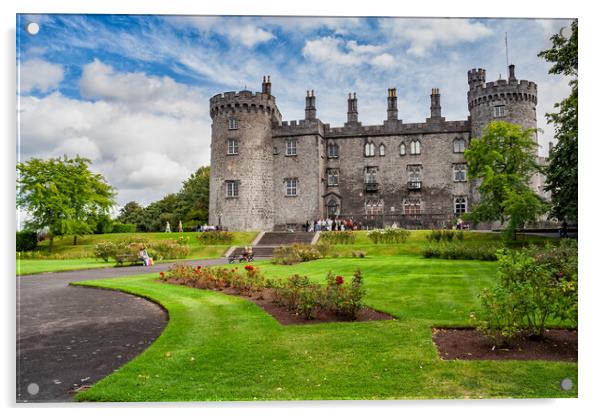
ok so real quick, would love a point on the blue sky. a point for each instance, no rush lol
(131, 92)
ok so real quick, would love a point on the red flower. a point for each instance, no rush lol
(340, 280)
(249, 267)
(198, 267)
(233, 270)
(162, 274)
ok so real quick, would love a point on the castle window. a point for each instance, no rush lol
(460, 204)
(371, 174)
(459, 145)
(460, 172)
(402, 149)
(333, 150)
(333, 177)
(291, 147)
(381, 150)
(232, 146)
(414, 176)
(291, 186)
(499, 111)
(369, 149)
(411, 207)
(333, 208)
(415, 147)
(232, 124)
(232, 189)
(375, 207)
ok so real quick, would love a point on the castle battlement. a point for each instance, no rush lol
(512, 89)
(243, 101)
(399, 128)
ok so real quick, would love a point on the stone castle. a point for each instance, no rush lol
(269, 174)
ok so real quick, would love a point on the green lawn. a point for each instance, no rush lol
(66, 256)
(219, 347)
(44, 266)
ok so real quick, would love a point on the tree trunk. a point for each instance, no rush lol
(50, 244)
(74, 240)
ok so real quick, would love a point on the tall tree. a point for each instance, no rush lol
(562, 169)
(193, 198)
(130, 213)
(62, 195)
(503, 161)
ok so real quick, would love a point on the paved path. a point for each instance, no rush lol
(69, 336)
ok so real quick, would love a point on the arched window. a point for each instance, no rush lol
(415, 147)
(333, 150)
(381, 150)
(460, 205)
(402, 149)
(333, 208)
(459, 145)
(369, 149)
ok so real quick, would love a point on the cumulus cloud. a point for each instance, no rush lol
(145, 151)
(334, 50)
(422, 35)
(40, 75)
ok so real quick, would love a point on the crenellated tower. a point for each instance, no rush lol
(509, 100)
(241, 183)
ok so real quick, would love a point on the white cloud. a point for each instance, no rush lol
(384, 60)
(425, 34)
(333, 50)
(36, 74)
(243, 30)
(250, 35)
(145, 134)
(138, 90)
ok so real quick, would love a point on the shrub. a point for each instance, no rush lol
(456, 251)
(167, 249)
(434, 236)
(323, 248)
(26, 241)
(388, 235)
(447, 235)
(215, 237)
(295, 253)
(338, 237)
(105, 250)
(533, 285)
(158, 250)
(342, 298)
(358, 254)
(119, 227)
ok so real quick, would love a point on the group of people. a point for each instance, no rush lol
(331, 225)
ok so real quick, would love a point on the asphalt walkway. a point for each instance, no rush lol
(70, 337)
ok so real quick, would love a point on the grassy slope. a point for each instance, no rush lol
(225, 348)
(81, 256)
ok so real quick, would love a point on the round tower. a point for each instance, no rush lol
(507, 100)
(241, 187)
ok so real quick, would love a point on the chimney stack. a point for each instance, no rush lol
(435, 103)
(310, 106)
(266, 86)
(392, 104)
(511, 76)
(352, 109)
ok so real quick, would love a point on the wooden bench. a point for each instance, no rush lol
(129, 258)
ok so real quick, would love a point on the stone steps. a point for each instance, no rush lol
(285, 238)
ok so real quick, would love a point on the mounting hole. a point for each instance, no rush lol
(33, 389)
(32, 28)
(566, 384)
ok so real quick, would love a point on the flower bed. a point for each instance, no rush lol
(295, 297)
